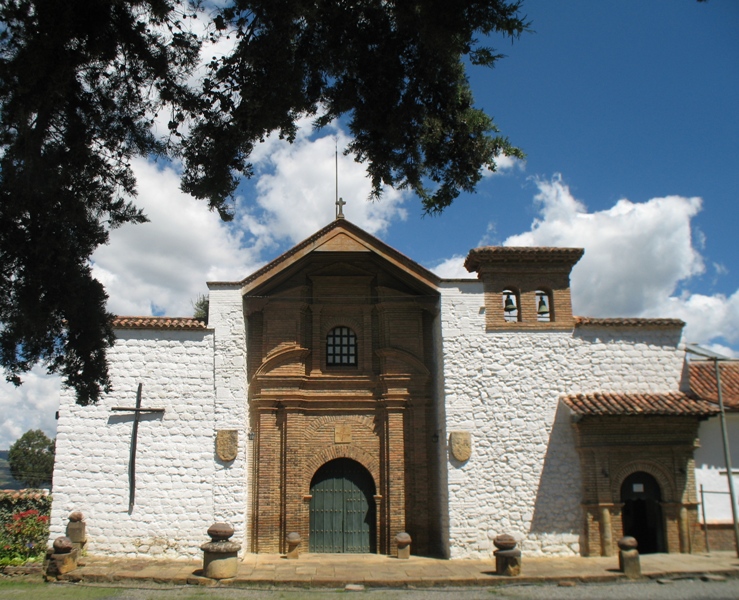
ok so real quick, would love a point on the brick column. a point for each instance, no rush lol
(317, 341)
(606, 530)
(268, 482)
(395, 492)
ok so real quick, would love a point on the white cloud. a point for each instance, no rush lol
(637, 255)
(296, 188)
(505, 163)
(30, 406)
(453, 268)
(163, 265)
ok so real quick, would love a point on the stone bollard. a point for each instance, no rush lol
(63, 558)
(628, 557)
(403, 540)
(219, 555)
(507, 556)
(293, 540)
(77, 530)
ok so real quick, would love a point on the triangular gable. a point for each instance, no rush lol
(339, 236)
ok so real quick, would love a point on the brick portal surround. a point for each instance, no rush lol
(305, 413)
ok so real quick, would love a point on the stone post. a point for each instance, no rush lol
(219, 555)
(77, 530)
(293, 540)
(507, 556)
(63, 558)
(628, 557)
(403, 540)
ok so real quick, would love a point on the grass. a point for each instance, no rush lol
(10, 588)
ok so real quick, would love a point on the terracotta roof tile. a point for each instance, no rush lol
(703, 382)
(499, 254)
(648, 403)
(628, 322)
(158, 323)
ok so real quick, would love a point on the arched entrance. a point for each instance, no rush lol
(642, 513)
(342, 508)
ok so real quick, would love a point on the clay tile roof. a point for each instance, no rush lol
(158, 323)
(703, 382)
(628, 322)
(501, 254)
(612, 403)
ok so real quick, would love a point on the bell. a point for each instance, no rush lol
(509, 306)
(543, 309)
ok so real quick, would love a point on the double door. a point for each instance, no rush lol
(342, 508)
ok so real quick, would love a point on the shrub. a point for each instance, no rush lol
(24, 526)
(26, 534)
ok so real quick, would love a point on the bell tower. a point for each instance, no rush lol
(525, 288)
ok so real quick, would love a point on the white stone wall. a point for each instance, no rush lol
(710, 467)
(230, 481)
(175, 464)
(504, 387)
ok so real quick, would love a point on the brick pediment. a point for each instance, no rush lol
(341, 242)
(341, 236)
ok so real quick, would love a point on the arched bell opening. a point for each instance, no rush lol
(343, 516)
(511, 305)
(544, 308)
(642, 512)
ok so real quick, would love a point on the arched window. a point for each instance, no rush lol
(543, 306)
(510, 305)
(341, 347)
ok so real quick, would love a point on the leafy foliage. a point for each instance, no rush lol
(394, 67)
(24, 513)
(31, 458)
(80, 81)
(200, 308)
(81, 84)
(25, 535)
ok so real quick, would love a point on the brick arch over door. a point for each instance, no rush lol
(344, 451)
(666, 483)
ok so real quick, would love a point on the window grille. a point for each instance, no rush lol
(341, 347)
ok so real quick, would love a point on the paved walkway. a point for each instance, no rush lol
(338, 570)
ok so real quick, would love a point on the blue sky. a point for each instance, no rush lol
(624, 99)
(628, 114)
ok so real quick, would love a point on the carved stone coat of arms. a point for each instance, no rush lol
(460, 443)
(227, 444)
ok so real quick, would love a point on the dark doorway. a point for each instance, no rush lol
(642, 513)
(342, 508)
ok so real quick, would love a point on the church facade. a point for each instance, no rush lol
(346, 393)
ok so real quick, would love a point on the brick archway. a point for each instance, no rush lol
(666, 483)
(345, 451)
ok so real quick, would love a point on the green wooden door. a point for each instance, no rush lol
(342, 509)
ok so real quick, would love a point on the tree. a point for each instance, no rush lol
(82, 81)
(200, 308)
(31, 458)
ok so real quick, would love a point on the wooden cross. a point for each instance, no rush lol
(134, 436)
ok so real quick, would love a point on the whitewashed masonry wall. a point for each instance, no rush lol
(523, 477)
(175, 457)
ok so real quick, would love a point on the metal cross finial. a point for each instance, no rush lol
(134, 435)
(340, 208)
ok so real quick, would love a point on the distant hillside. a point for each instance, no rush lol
(6, 479)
